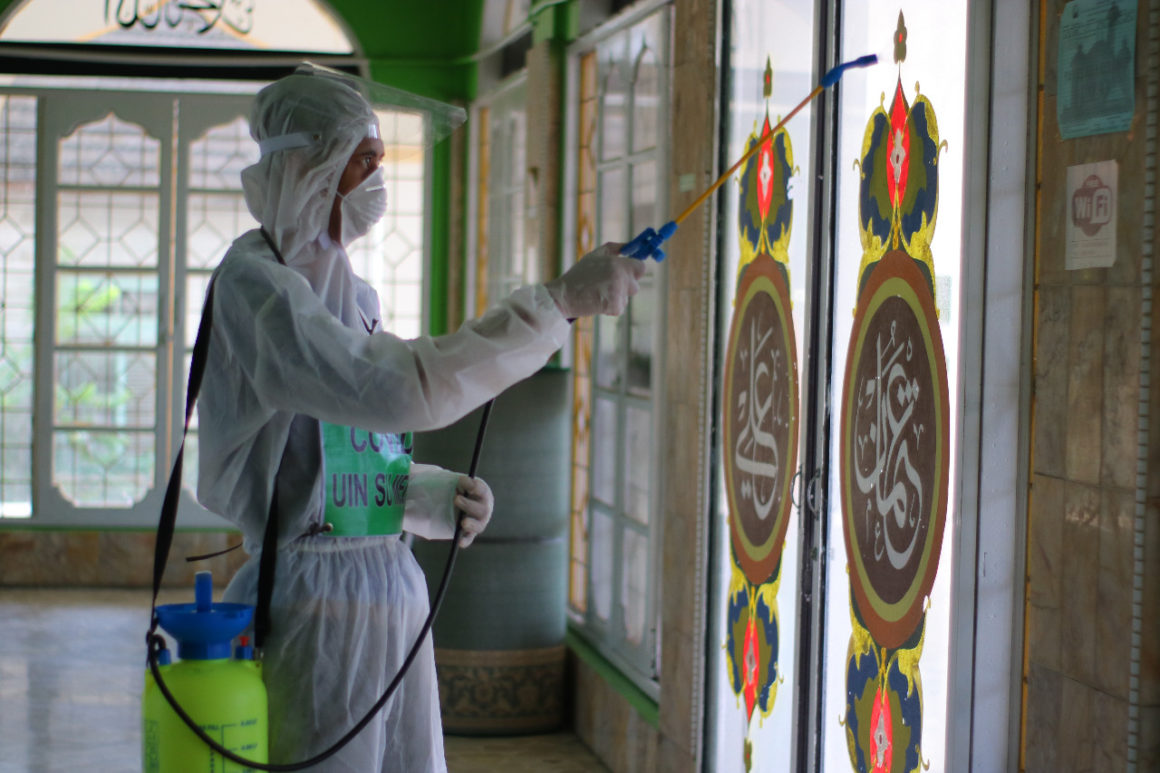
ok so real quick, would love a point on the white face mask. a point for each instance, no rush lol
(364, 206)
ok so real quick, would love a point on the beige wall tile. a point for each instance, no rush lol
(1110, 717)
(1085, 384)
(1080, 583)
(19, 563)
(1076, 738)
(1154, 391)
(1121, 387)
(127, 559)
(1044, 688)
(680, 679)
(1045, 568)
(1114, 595)
(673, 758)
(1150, 609)
(120, 559)
(1148, 747)
(1053, 313)
(597, 710)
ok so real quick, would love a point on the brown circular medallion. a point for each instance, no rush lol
(894, 448)
(760, 418)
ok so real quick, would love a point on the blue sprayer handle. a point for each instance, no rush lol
(648, 243)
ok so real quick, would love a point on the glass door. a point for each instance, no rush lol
(767, 226)
(840, 292)
(892, 396)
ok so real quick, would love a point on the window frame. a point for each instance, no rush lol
(602, 636)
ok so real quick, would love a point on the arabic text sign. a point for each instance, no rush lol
(238, 15)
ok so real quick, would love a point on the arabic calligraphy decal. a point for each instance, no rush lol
(894, 448)
(884, 706)
(761, 418)
(765, 208)
(237, 15)
(760, 421)
(895, 433)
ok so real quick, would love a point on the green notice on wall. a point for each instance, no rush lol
(1097, 58)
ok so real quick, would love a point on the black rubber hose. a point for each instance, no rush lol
(157, 643)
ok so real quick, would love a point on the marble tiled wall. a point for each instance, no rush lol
(1084, 447)
(110, 559)
(608, 724)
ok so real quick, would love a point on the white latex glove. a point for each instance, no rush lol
(474, 499)
(601, 282)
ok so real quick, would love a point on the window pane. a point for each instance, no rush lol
(644, 196)
(390, 256)
(646, 98)
(98, 229)
(196, 284)
(607, 362)
(217, 159)
(613, 207)
(105, 389)
(603, 440)
(106, 309)
(190, 461)
(642, 318)
(213, 221)
(18, 310)
(516, 262)
(103, 469)
(613, 107)
(601, 567)
(108, 154)
(634, 586)
(638, 458)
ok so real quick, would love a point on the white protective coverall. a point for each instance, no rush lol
(289, 347)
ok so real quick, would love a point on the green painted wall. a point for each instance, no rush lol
(425, 48)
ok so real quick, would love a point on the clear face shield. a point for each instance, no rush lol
(308, 125)
(412, 120)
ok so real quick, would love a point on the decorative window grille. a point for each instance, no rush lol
(103, 289)
(615, 531)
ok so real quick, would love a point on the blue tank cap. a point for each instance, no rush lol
(203, 629)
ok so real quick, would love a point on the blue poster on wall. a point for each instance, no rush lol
(1097, 66)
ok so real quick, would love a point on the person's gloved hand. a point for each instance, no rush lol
(601, 282)
(474, 499)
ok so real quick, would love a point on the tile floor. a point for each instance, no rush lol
(70, 684)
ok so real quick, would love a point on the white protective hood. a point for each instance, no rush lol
(308, 125)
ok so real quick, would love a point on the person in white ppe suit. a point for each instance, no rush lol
(302, 386)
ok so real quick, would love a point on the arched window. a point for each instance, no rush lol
(118, 197)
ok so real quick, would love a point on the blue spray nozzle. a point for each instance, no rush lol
(836, 72)
(648, 242)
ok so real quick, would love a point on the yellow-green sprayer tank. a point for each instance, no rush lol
(220, 689)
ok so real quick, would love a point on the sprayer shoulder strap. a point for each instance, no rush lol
(167, 523)
(168, 520)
